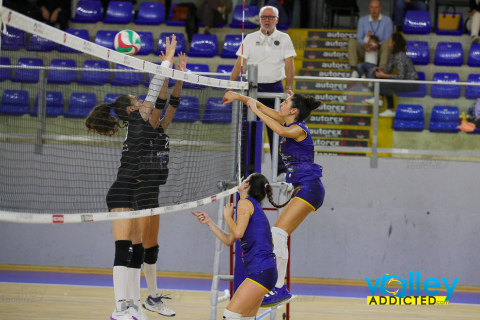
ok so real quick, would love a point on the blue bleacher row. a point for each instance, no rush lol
(419, 22)
(16, 103)
(97, 78)
(202, 45)
(443, 119)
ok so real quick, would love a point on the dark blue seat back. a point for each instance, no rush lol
(119, 12)
(417, 22)
(94, 77)
(445, 91)
(230, 46)
(444, 119)
(54, 102)
(409, 118)
(14, 103)
(172, 23)
(216, 112)
(88, 11)
(5, 74)
(147, 43)
(150, 13)
(237, 18)
(81, 33)
(80, 104)
(13, 40)
(188, 111)
(472, 92)
(126, 78)
(194, 68)
(203, 45)
(38, 43)
(474, 55)
(181, 47)
(420, 93)
(28, 75)
(62, 76)
(449, 54)
(419, 52)
(111, 97)
(106, 38)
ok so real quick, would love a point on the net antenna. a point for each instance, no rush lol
(67, 182)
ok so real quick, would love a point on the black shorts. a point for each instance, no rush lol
(127, 192)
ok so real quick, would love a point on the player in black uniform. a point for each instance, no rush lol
(144, 159)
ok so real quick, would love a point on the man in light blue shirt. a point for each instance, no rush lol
(373, 24)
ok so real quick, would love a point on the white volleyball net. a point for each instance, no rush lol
(53, 171)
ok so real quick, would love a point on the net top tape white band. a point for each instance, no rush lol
(40, 218)
(19, 21)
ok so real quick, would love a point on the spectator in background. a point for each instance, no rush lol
(405, 71)
(52, 12)
(473, 24)
(402, 6)
(376, 24)
(211, 12)
(365, 69)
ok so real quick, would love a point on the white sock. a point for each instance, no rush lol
(280, 249)
(150, 272)
(133, 286)
(120, 274)
(229, 315)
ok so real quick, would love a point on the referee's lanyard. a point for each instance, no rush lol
(378, 26)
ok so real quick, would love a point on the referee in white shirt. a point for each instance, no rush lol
(272, 51)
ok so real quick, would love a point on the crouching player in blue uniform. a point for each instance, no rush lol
(297, 152)
(253, 230)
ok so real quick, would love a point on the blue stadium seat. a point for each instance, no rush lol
(449, 54)
(126, 78)
(230, 46)
(474, 55)
(472, 92)
(54, 101)
(119, 12)
(88, 11)
(171, 82)
(194, 68)
(203, 45)
(150, 13)
(28, 75)
(38, 43)
(5, 74)
(15, 103)
(106, 38)
(237, 18)
(216, 112)
(409, 117)
(62, 76)
(111, 97)
(420, 93)
(445, 91)
(80, 104)
(181, 47)
(417, 22)
(172, 23)
(13, 40)
(444, 119)
(188, 111)
(224, 68)
(419, 52)
(94, 77)
(147, 43)
(81, 33)
(457, 32)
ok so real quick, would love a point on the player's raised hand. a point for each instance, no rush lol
(164, 58)
(228, 210)
(171, 45)
(229, 97)
(182, 64)
(202, 217)
(252, 104)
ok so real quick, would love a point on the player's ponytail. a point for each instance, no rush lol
(261, 188)
(102, 122)
(305, 105)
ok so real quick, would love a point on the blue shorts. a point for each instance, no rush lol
(265, 279)
(312, 193)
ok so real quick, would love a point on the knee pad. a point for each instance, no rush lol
(123, 253)
(280, 247)
(229, 315)
(137, 256)
(151, 255)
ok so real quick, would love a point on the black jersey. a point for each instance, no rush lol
(145, 153)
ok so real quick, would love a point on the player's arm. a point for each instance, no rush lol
(227, 238)
(156, 84)
(232, 96)
(244, 211)
(294, 132)
(237, 68)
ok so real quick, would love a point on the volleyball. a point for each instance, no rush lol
(128, 42)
